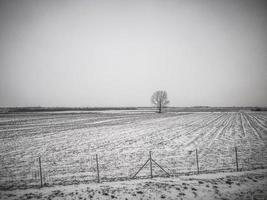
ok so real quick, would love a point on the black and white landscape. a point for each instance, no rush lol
(133, 99)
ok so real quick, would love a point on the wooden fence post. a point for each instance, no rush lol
(140, 168)
(197, 161)
(161, 167)
(236, 159)
(150, 159)
(97, 169)
(40, 168)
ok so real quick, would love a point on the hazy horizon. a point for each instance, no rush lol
(117, 53)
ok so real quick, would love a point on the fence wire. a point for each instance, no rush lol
(56, 170)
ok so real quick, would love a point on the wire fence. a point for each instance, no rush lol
(59, 170)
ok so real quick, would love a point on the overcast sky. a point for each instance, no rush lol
(117, 53)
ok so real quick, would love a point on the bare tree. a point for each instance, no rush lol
(160, 99)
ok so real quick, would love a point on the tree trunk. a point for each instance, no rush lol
(160, 107)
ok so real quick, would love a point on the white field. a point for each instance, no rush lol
(68, 142)
(227, 186)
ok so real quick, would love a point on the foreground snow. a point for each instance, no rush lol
(235, 185)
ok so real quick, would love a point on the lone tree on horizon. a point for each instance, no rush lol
(160, 99)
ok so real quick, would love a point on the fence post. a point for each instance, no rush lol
(97, 169)
(236, 159)
(150, 159)
(40, 168)
(140, 168)
(197, 162)
(161, 167)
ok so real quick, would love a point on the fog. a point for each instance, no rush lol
(117, 53)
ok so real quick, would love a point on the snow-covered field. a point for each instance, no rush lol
(227, 186)
(68, 142)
